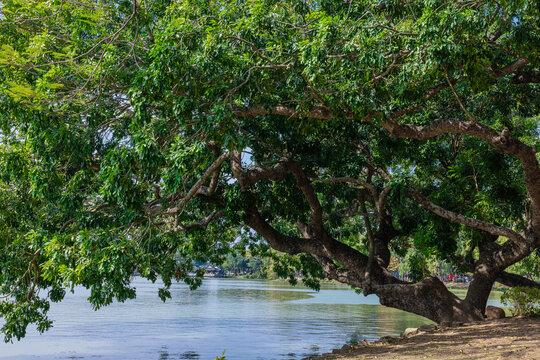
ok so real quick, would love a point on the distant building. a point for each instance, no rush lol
(213, 270)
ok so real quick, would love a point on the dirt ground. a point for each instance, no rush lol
(510, 338)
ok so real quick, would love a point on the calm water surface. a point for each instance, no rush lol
(249, 319)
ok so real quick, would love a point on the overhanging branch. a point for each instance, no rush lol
(513, 280)
(502, 141)
(304, 185)
(452, 216)
(201, 224)
(317, 112)
(196, 189)
(287, 244)
(249, 177)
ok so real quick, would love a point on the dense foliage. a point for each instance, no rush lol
(525, 300)
(142, 135)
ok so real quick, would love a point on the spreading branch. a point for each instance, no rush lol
(246, 178)
(278, 241)
(452, 216)
(502, 141)
(513, 280)
(510, 68)
(197, 188)
(469, 115)
(317, 112)
(201, 224)
(32, 266)
(304, 185)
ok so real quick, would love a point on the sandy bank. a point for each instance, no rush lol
(510, 338)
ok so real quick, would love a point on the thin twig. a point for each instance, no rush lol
(469, 115)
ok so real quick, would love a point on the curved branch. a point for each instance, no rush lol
(333, 272)
(502, 141)
(304, 185)
(287, 244)
(209, 190)
(201, 224)
(196, 189)
(246, 178)
(255, 49)
(510, 68)
(513, 280)
(317, 112)
(32, 265)
(452, 216)
(469, 115)
(382, 200)
(348, 179)
(378, 199)
(385, 233)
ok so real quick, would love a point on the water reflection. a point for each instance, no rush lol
(164, 354)
(189, 355)
(249, 319)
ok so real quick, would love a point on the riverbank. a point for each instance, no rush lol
(449, 285)
(510, 338)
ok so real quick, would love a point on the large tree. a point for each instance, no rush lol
(144, 135)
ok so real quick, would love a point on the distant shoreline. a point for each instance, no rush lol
(449, 285)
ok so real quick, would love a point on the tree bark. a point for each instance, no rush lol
(502, 141)
(430, 297)
(382, 238)
(513, 280)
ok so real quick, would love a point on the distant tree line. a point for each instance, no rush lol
(251, 266)
(413, 265)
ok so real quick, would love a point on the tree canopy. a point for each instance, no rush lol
(144, 135)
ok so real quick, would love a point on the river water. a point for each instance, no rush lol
(248, 319)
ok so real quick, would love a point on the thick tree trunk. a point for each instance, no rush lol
(382, 238)
(486, 270)
(429, 298)
(480, 287)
